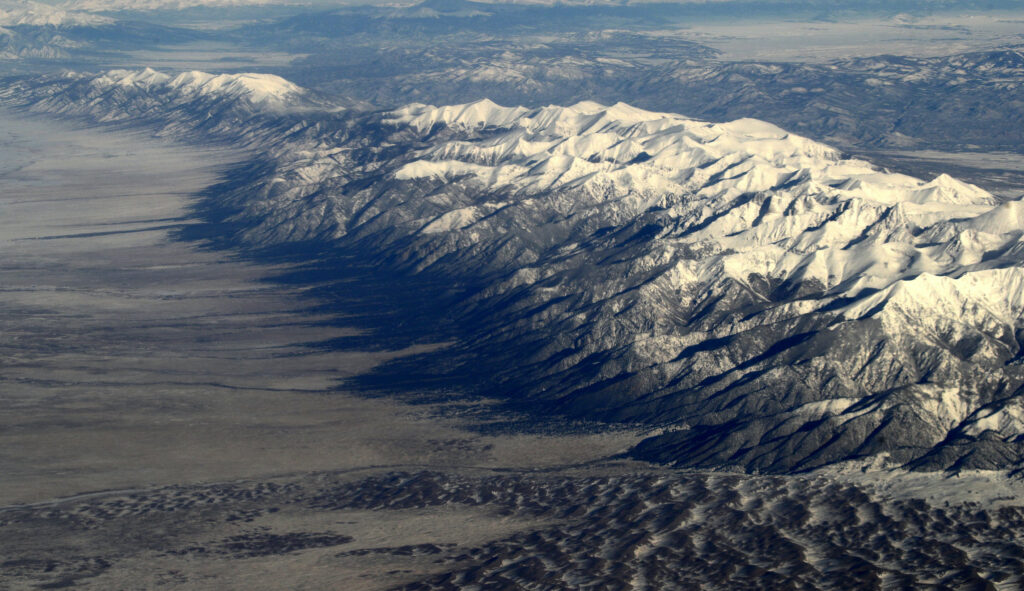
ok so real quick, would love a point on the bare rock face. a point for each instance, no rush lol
(774, 304)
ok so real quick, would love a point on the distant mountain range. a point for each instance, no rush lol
(535, 55)
(772, 304)
(956, 102)
(27, 12)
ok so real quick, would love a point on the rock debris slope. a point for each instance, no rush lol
(776, 305)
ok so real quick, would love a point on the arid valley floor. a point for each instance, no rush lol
(133, 362)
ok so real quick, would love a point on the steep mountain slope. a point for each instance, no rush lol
(774, 305)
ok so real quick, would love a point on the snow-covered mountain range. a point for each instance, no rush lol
(770, 302)
(28, 12)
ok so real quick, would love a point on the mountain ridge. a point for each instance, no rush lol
(778, 305)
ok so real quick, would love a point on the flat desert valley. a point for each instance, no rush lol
(133, 361)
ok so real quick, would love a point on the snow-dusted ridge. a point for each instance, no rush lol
(781, 306)
(801, 199)
(179, 101)
(588, 144)
(257, 88)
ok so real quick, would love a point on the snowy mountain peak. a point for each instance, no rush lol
(260, 89)
(589, 145)
(483, 113)
(946, 189)
(775, 205)
(142, 78)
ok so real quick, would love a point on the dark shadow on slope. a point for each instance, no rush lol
(393, 310)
